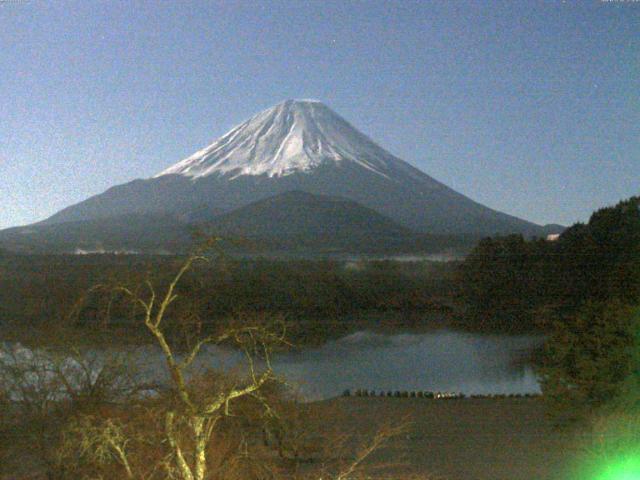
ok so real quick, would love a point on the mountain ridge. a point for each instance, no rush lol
(301, 146)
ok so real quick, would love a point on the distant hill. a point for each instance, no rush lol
(131, 233)
(310, 219)
(292, 221)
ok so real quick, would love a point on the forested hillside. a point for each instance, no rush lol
(512, 283)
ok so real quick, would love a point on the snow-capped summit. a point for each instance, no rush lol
(293, 136)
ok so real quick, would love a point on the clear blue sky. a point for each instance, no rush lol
(532, 108)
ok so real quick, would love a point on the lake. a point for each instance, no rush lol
(441, 360)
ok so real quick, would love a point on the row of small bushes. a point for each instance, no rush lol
(427, 394)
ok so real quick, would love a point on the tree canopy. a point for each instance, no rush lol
(514, 283)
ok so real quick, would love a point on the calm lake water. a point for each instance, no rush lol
(442, 360)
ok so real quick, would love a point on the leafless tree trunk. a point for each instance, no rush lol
(200, 415)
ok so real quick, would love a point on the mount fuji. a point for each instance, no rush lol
(301, 146)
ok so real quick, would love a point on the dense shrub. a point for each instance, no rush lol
(591, 359)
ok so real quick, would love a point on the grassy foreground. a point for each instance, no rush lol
(470, 439)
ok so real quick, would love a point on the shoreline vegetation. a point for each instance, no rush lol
(534, 283)
(318, 299)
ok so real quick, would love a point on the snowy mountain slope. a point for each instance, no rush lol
(305, 146)
(293, 136)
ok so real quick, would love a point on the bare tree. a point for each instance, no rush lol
(193, 413)
(45, 385)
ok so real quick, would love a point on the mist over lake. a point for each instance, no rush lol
(444, 360)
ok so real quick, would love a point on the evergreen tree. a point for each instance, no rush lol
(514, 284)
(590, 358)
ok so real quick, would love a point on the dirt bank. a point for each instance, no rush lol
(470, 439)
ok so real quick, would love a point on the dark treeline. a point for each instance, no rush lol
(315, 296)
(514, 284)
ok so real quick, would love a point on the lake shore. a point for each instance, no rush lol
(469, 439)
